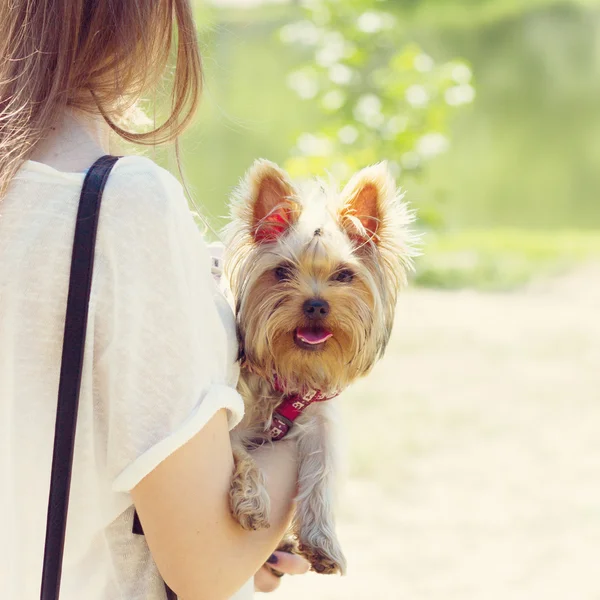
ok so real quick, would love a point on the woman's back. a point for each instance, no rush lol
(135, 402)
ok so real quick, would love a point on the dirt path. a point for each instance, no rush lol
(482, 481)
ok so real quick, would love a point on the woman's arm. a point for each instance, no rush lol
(201, 552)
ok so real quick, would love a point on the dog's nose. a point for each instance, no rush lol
(316, 308)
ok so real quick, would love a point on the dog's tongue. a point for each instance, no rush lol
(313, 336)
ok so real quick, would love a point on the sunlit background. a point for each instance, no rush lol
(474, 454)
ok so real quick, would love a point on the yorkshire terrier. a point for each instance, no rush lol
(314, 274)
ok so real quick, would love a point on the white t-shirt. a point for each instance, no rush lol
(159, 362)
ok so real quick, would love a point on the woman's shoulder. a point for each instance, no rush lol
(137, 182)
(144, 202)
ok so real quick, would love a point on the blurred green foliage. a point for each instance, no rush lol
(501, 259)
(444, 13)
(376, 98)
(524, 156)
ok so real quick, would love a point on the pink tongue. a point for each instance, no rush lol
(312, 336)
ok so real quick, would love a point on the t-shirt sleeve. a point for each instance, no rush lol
(162, 350)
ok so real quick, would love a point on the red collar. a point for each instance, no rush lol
(291, 407)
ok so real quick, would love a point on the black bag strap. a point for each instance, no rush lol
(80, 283)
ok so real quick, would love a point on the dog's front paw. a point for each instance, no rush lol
(248, 498)
(323, 553)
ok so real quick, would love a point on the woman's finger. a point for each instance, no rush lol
(265, 581)
(289, 564)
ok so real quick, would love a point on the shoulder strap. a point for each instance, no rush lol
(70, 374)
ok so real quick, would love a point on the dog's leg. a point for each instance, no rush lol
(314, 521)
(248, 498)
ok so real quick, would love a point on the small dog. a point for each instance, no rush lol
(314, 275)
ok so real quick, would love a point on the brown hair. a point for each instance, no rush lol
(95, 56)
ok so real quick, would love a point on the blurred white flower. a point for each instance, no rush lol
(333, 50)
(368, 111)
(410, 160)
(304, 83)
(333, 100)
(373, 22)
(340, 74)
(312, 145)
(462, 74)
(392, 127)
(432, 144)
(460, 94)
(423, 63)
(302, 32)
(348, 134)
(417, 96)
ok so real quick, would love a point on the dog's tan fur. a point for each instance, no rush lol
(316, 234)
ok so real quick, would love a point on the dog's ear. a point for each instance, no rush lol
(270, 195)
(365, 200)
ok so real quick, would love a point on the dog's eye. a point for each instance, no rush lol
(283, 273)
(344, 276)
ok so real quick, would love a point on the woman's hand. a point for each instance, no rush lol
(284, 563)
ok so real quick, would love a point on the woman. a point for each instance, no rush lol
(158, 392)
